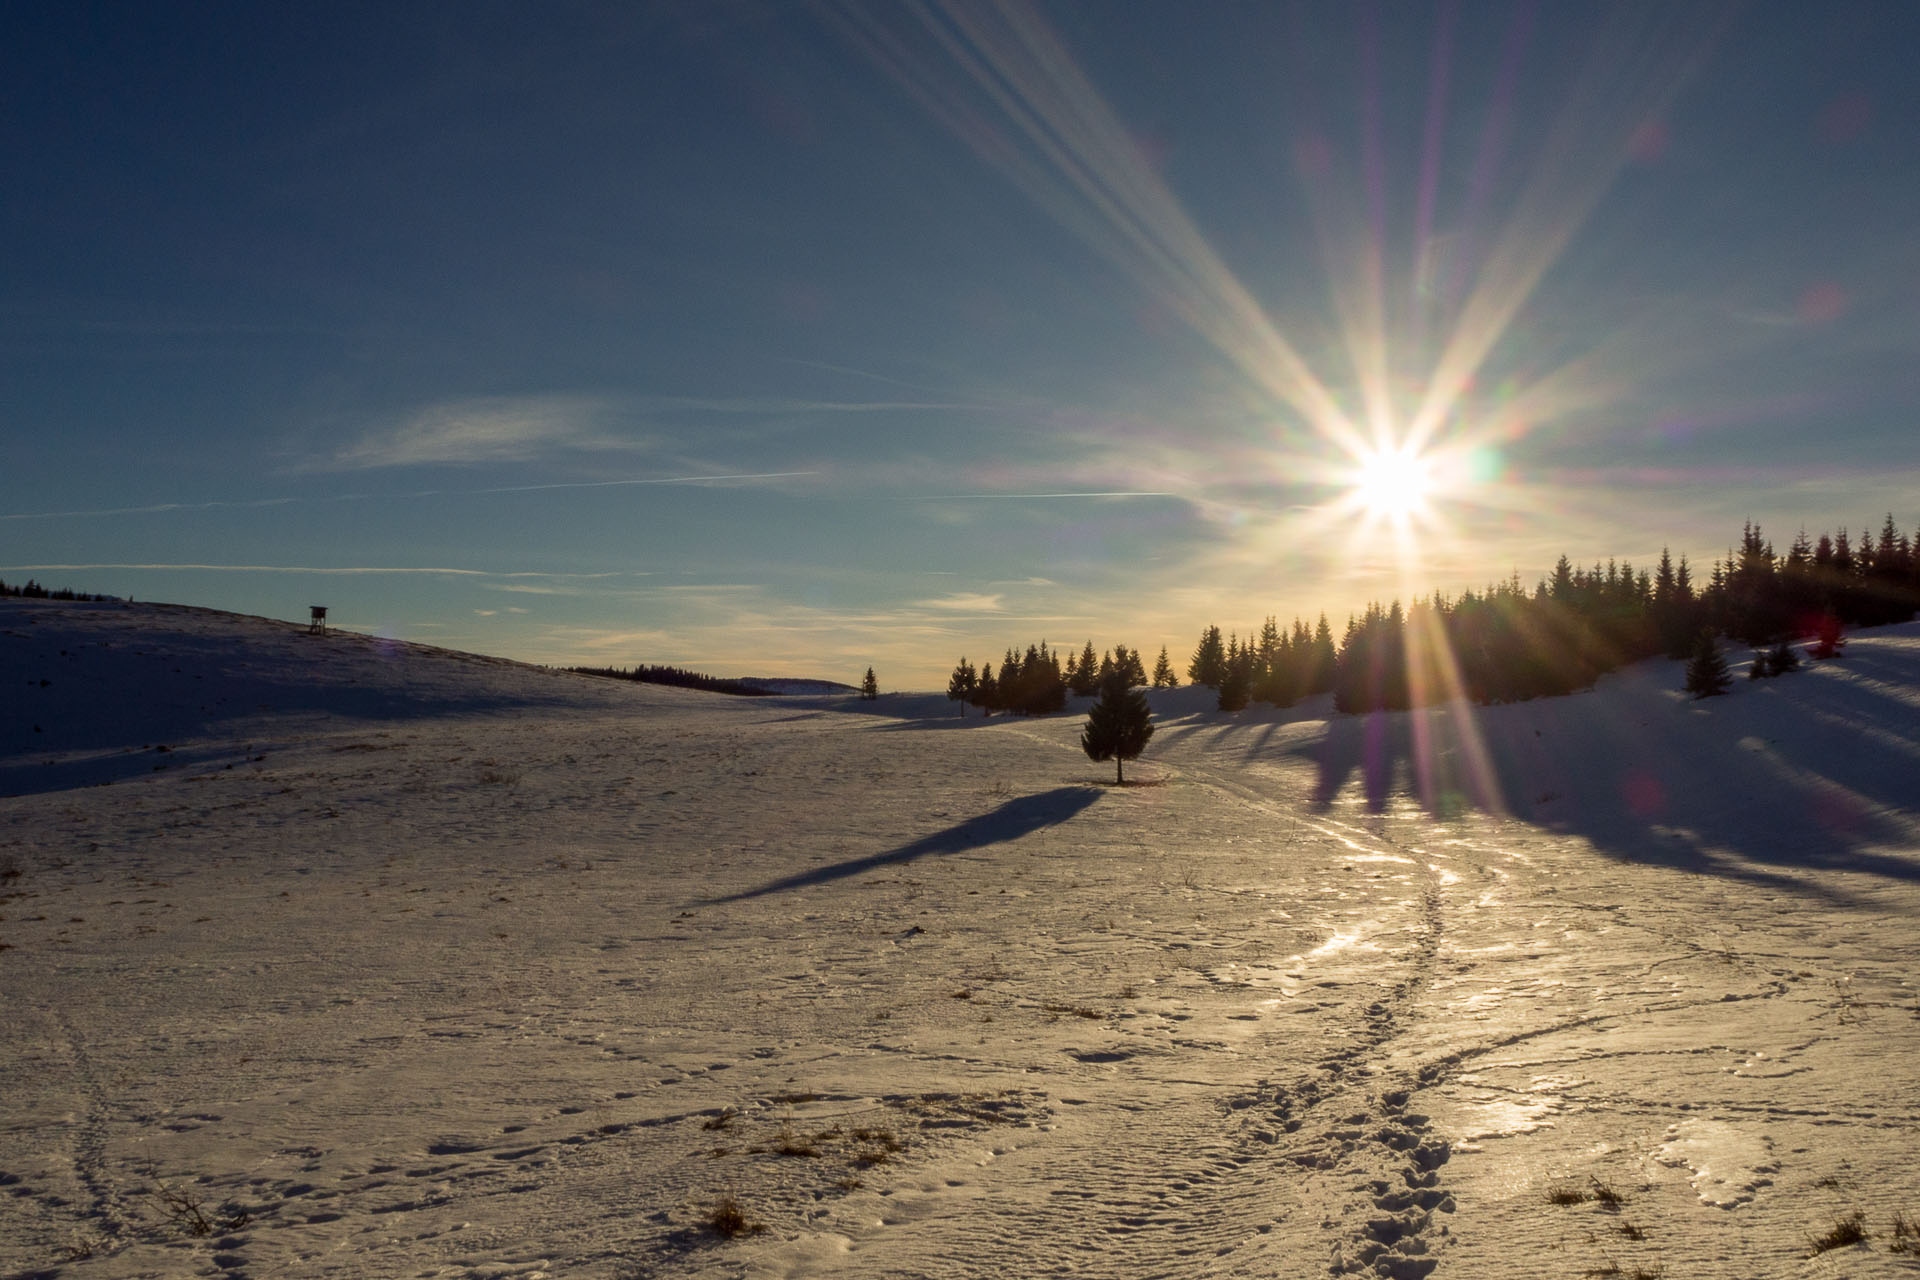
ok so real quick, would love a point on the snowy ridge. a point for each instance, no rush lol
(408, 962)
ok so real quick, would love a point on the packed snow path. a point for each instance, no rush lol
(397, 962)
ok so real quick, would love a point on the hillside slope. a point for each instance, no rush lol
(411, 963)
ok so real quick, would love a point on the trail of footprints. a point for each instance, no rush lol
(1344, 1122)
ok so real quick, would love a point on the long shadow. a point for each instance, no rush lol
(1012, 820)
(1804, 772)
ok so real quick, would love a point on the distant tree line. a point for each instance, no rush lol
(1037, 683)
(1507, 642)
(678, 677)
(1279, 666)
(34, 591)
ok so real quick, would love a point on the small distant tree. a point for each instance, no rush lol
(1118, 726)
(986, 691)
(869, 687)
(1783, 659)
(1127, 662)
(1209, 664)
(1085, 676)
(1236, 686)
(961, 684)
(1707, 670)
(1163, 676)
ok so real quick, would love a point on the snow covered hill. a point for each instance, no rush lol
(373, 960)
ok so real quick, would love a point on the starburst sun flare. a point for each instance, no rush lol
(1394, 484)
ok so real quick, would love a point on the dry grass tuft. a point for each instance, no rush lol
(728, 1219)
(1906, 1235)
(1851, 1229)
(789, 1143)
(1077, 1010)
(1606, 1193)
(188, 1212)
(881, 1146)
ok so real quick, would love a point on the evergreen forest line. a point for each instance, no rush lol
(1505, 643)
(678, 677)
(32, 590)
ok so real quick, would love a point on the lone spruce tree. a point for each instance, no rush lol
(869, 687)
(1707, 670)
(1118, 726)
(961, 684)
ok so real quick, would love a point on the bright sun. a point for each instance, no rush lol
(1393, 483)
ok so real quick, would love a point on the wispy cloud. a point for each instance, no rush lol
(156, 508)
(297, 568)
(965, 602)
(161, 508)
(1111, 493)
(781, 406)
(526, 428)
(487, 429)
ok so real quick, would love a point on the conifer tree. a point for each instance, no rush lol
(869, 687)
(1118, 726)
(1085, 678)
(986, 691)
(1163, 677)
(1707, 670)
(961, 684)
(1321, 658)
(1209, 665)
(1236, 687)
(1783, 659)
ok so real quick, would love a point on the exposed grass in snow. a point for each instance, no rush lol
(728, 1219)
(1851, 1229)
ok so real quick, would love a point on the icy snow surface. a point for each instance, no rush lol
(328, 956)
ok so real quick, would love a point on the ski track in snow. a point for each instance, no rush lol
(375, 960)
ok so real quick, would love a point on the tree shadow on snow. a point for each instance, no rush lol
(1808, 771)
(1012, 820)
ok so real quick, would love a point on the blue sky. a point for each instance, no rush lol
(781, 338)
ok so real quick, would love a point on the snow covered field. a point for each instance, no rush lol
(376, 960)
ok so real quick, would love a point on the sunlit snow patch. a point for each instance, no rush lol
(1502, 1115)
(1727, 1164)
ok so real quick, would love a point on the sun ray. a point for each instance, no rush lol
(1641, 60)
(1088, 172)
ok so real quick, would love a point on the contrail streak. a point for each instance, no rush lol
(160, 508)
